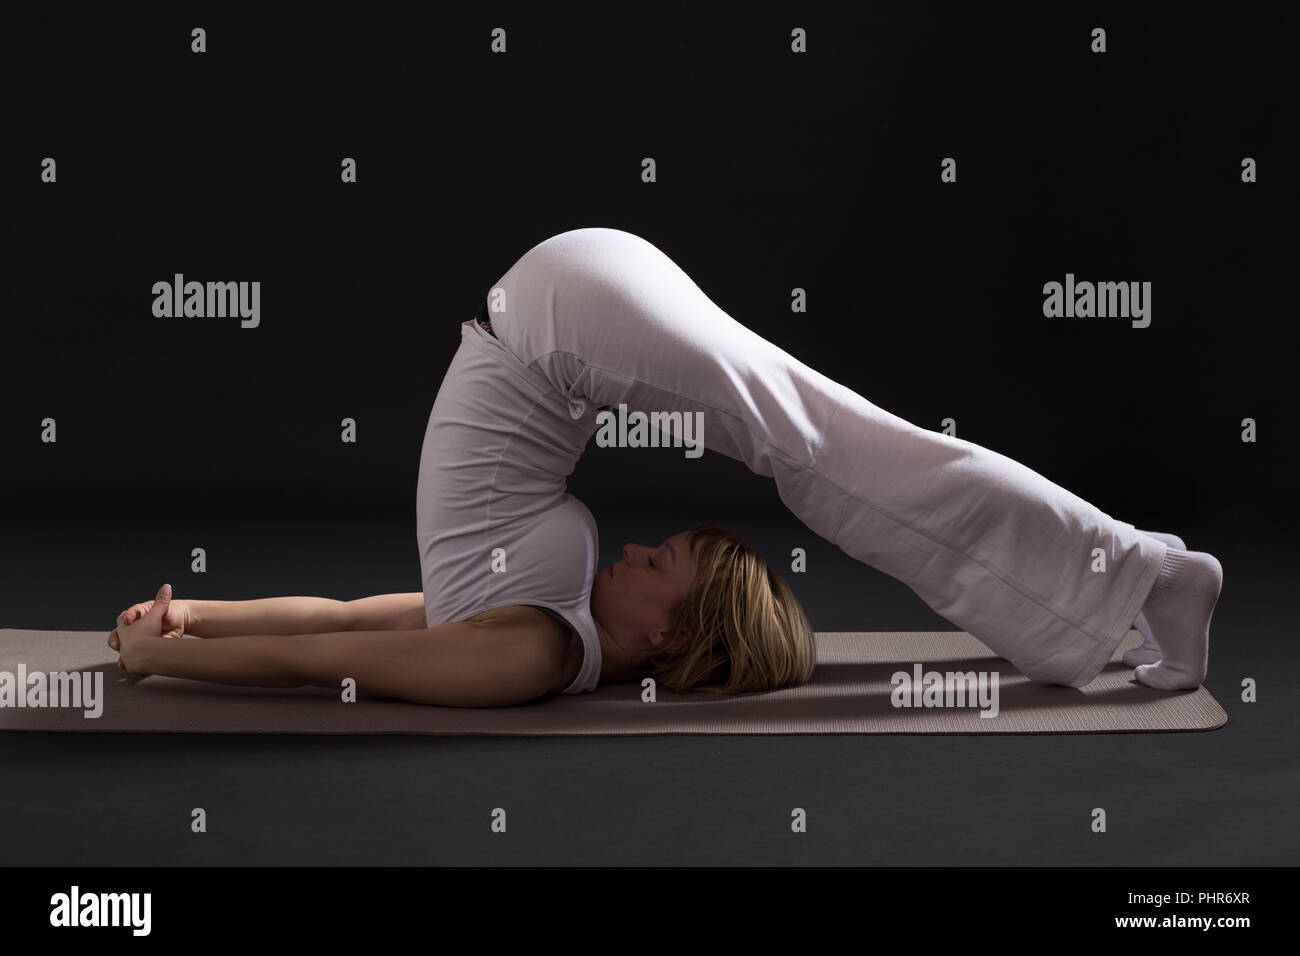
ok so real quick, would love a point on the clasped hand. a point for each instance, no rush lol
(142, 624)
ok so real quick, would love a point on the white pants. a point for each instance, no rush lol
(989, 544)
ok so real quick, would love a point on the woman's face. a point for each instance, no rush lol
(631, 598)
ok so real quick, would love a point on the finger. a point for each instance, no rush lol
(162, 601)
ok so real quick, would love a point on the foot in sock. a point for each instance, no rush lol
(1149, 653)
(1178, 611)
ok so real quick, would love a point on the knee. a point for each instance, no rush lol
(1054, 670)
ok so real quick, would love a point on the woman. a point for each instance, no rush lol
(514, 609)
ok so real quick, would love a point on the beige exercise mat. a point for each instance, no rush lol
(851, 693)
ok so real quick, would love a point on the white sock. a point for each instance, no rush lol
(1149, 653)
(1179, 609)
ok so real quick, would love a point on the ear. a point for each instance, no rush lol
(684, 640)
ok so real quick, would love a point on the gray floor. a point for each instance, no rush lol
(1225, 797)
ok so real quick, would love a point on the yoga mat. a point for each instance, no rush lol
(850, 693)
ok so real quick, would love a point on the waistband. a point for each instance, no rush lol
(484, 322)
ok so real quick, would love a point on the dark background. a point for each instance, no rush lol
(775, 170)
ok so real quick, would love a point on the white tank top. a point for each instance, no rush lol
(494, 523)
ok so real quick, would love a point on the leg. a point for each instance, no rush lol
(986, 542)
(1149, 652)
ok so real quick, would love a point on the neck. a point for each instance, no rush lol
(615, 663)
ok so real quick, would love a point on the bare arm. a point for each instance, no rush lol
(274, 615)
(305, 615)
(508, 656)
(387, 612)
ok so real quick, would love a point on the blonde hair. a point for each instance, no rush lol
(748, 631)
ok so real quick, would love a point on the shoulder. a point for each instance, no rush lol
(533, 632)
